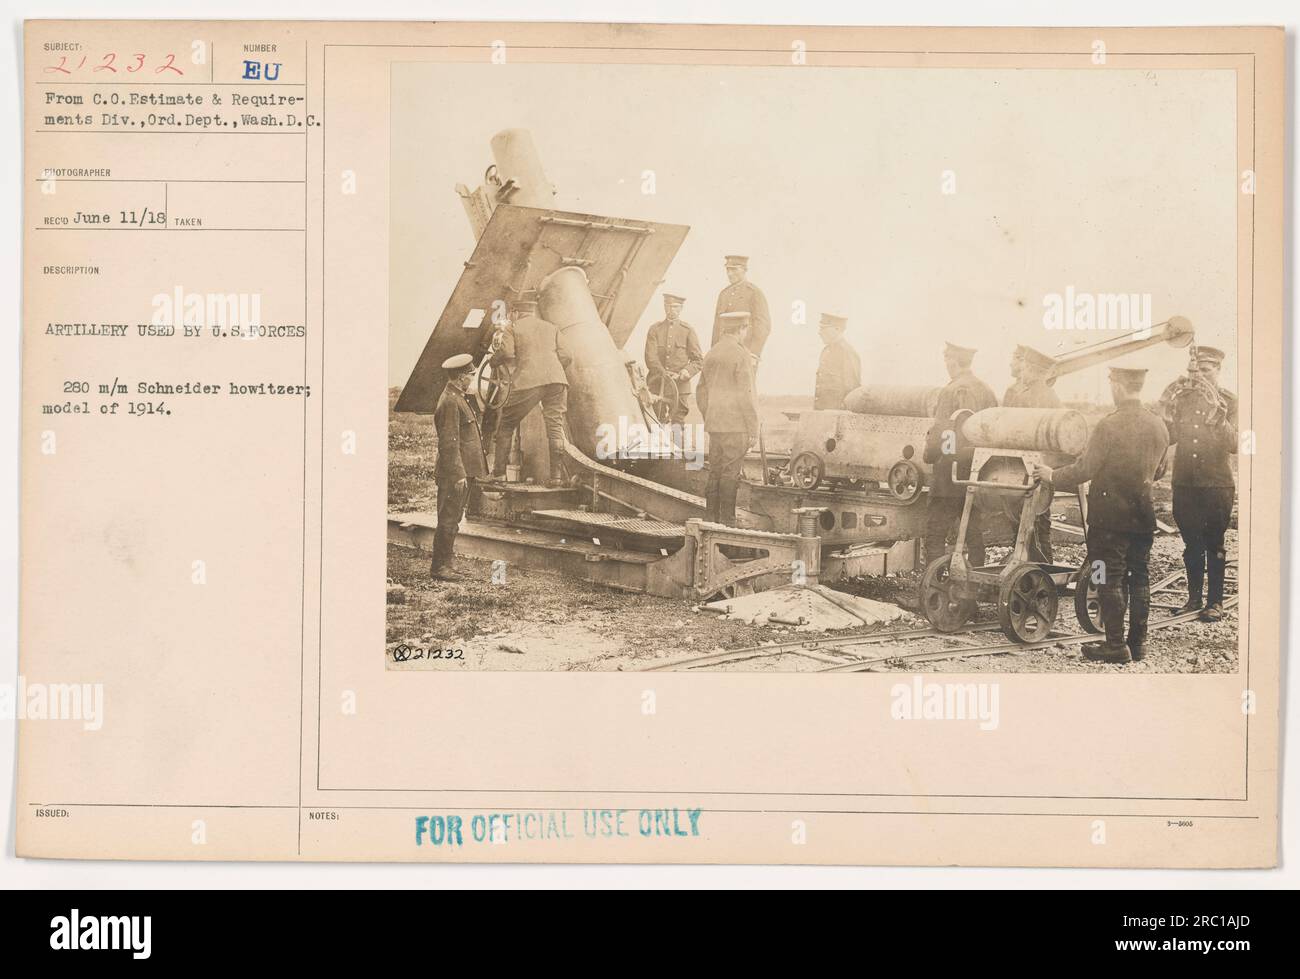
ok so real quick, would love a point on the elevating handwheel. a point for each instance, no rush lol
(491, 384)
(663, 396)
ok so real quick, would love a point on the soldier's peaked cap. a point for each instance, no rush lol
(525, 302)
(830, 319)
(1132, 377)
(735, 320)
(670, 298)
(1212, 354)
(1036, 357)
(738, 261)
(963, 354)
(459, 362)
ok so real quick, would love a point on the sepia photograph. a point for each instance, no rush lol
(800, 445)
(716, 368)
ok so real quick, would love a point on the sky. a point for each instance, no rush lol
(832, 180)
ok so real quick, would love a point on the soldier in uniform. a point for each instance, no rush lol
(943, 516)
(726, 398)
(1032, 370)
(1125, 455)
(1205, 431)
(839, 370)
(673, 350)
(529, 346)
(1017, 358)
(742, 296)
(1031, 389)
(460, 459)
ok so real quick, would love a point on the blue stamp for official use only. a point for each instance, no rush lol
(454, 830)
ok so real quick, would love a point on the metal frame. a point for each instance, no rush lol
(1007, 584)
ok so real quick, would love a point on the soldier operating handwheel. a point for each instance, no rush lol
(491, 384)
(672, 358)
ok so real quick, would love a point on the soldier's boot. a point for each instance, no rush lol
(727, 501)
(1195, 584)
(502, 443)
(557, 469)
(440, 569)
(1111, 599)
(712, 494)
(1213, 611)
(1139, 612)
(444, 555)
(1104, 652)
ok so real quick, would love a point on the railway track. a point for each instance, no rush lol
(850, 652)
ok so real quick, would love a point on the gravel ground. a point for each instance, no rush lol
(539, 621)
(1196, 647)
(557, 622)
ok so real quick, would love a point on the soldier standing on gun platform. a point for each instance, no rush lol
(943, 516)
(726, 398)
(742, 296)
(1205, 432)
(1030, 389)
(460, 459)
(1125, 456)
(672, 350)
(530, 348)
(839, 370)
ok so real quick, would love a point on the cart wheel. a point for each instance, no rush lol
(905, 480)
(945, 612)
(806, 470)
(1087, 606)
(491, 384)
(1027, 604)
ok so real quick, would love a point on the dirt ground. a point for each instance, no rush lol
(538, 621)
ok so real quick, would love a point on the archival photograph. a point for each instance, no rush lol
(799, 445)
(704, 368)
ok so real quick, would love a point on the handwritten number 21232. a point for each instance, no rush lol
(108, 62)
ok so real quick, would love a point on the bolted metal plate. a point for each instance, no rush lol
(624, 259)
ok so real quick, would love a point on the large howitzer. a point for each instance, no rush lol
(627, 512)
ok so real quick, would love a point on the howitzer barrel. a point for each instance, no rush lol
(516, 159)
(600, 391)
(1027, 429)
(917, 400)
